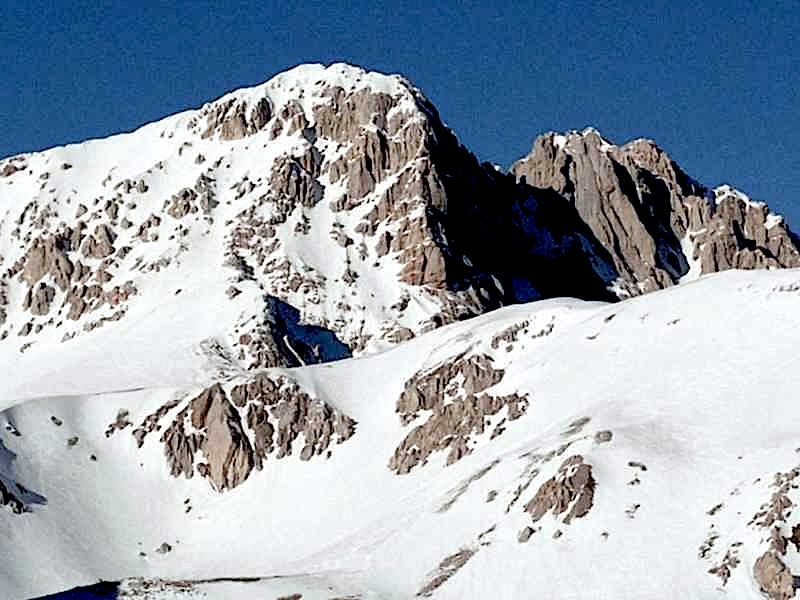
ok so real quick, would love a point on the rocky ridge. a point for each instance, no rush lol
(659, 225)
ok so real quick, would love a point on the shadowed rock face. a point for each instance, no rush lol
(618, 202)
(105, 590)
(9, 498)
(653, 219)
(302, 343)
(522, 238)
(224, 433)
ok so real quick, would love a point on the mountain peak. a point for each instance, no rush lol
(655, 221)
(340, 193)
(560, 140)
(299, 91)
(310, 77)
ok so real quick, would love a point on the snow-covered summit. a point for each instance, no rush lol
(294, 190)
(313, 79)
(329, 208)
(726, 191)
(560, 140)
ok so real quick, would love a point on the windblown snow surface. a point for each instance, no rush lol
(683, 403)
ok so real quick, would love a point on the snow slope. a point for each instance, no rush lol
(251, 351)
(681, 401)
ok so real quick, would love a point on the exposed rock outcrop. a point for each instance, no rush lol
(12, 165)
(770, 571)
(233, 119)
(226, 450)
(100, 244)
(737, 233)
(38, 299)
(47, 256)
(457, 411)
(226, 432)
(571, 488)
(182, 203)
(449, 566)
(653, 219)
(295, 181)
(773, 576)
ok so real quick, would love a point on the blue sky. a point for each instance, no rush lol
(714, 83)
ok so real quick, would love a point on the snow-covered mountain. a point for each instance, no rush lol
(485, 418)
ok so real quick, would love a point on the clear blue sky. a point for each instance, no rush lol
(715, 83)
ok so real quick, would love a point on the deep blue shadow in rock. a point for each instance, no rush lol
(12, 493)
(310, 343)
(105, 590)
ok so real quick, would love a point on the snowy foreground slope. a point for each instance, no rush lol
(643, 449)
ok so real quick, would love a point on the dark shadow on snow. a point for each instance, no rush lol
(105, 590)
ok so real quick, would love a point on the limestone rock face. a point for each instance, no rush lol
(773, 577)
(66, 274)
(572, 488)
(770, 570)
(226, 450)
(630, 197)
(653, 219)
(295, 181)
(101, 244)
(507, 241)
(182, 203)
(234, 120)
(453, 397)
(741, 234)
(46, 256)
(228, 430)
(38, 301)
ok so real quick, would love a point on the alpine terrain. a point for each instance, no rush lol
(300, 343)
